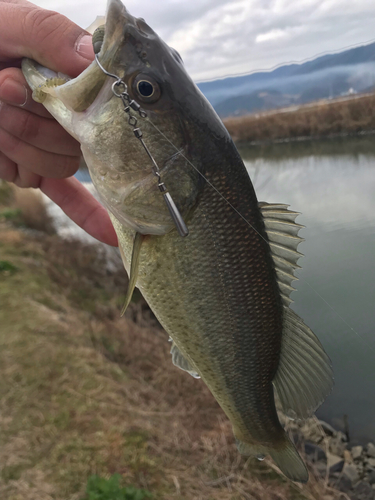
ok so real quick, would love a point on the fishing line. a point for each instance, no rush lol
(173, 210)
(260, 235)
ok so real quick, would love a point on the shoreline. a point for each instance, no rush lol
(306, 138)
(347, 468)
(317, 120)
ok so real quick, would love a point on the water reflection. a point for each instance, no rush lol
(332, 183)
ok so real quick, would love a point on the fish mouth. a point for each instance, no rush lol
(117, 17)
(121, 25)
(121, 52)
(79, 93)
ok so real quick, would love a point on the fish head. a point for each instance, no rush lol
(154, 76)
(150, 68)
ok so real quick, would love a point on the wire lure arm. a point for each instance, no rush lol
(120, 90)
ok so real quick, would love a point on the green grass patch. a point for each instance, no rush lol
(7, 267)
(11, 214)
(99, 488)
(11, 473)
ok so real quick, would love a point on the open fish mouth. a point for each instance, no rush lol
(128, 49)
(109, 35)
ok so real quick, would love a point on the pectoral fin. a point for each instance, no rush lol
(134, 265)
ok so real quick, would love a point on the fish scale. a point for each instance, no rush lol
(222, 292)
(216, 287)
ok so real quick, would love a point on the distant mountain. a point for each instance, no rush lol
(326, 76)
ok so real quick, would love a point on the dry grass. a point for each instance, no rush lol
(349, 116)
(84, 392)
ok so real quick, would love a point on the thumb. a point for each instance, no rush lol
(46, 36)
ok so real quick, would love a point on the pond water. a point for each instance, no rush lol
(332, 184)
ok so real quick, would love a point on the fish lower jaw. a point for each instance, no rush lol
(40, 78)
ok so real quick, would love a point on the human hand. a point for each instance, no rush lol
(35, 151)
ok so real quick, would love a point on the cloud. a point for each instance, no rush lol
(222, 37)
(271, 35)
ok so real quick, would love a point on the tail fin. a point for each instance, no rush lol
(285, 456)
(289, 461)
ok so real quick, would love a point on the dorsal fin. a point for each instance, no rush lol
(138, 239)
(304, 377)
(282, 232)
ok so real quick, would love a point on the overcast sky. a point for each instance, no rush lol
(217, 38)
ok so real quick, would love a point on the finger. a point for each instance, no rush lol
(81, 207)
(14, 90)
(10, 64)
(25, 178)
(42, 133)
(38, 161)
(20, 2)
(46, 36)
(8, 169)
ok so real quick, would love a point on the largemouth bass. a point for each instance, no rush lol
(222, 292)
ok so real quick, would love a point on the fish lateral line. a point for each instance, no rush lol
(257, 232)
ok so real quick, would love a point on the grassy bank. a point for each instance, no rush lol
(349, 116)
(85, 392)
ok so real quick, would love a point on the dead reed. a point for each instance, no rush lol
(349, 116)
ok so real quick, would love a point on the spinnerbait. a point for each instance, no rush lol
(129, 103)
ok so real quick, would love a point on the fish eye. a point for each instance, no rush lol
(146, 88)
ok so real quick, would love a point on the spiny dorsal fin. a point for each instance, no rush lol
(282, 232)
(304, 377)
(138, 239)
(181, 362)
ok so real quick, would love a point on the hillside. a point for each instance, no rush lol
(326, 76)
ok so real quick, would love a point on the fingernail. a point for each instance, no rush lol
(84, 47)
(14, 92)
